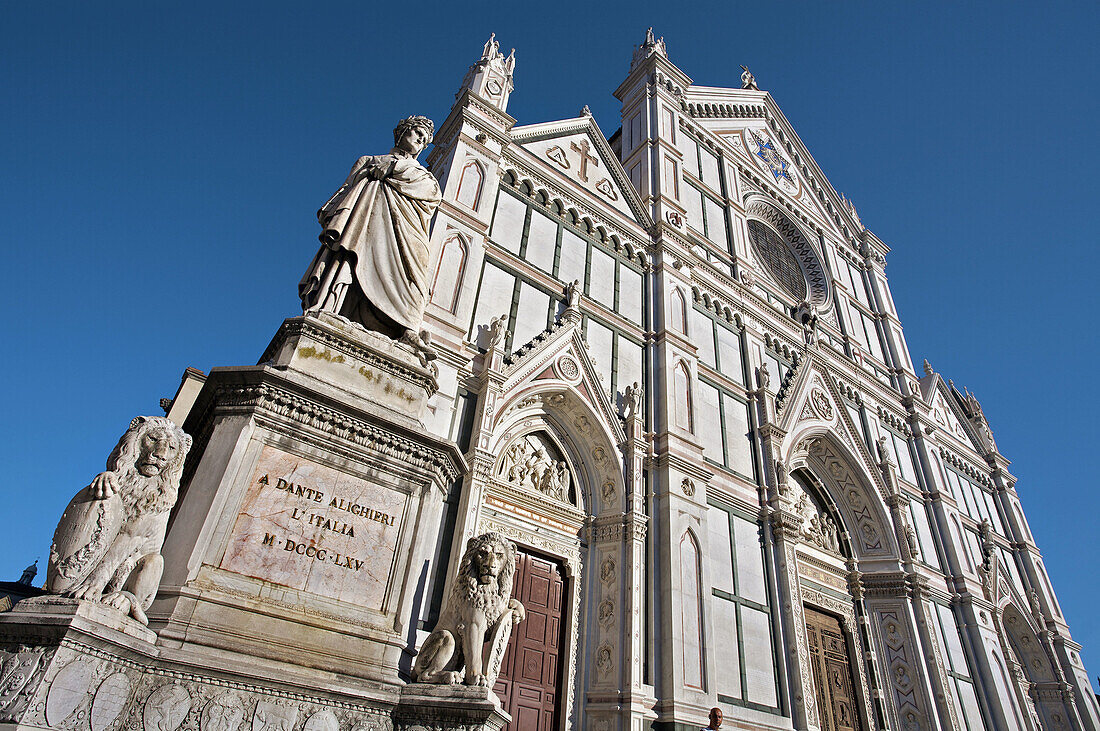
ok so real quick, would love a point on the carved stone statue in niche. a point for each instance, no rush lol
(372, 266)
(107, 545)
(479, 611)
(533, 463)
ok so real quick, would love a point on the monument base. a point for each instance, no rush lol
(81, 666)
(445, 707)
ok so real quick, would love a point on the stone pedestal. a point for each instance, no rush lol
(296, 559)
(308, 514)
(63, 662)
(427, 707)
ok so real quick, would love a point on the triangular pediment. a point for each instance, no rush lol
(813, 399)
(764, 140)
(558, 359)
(578, 151)
(949, 415)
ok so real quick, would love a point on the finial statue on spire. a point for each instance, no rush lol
(492, 48)
(651, 46)
(748, 81)
(928, 368)
(491, 75)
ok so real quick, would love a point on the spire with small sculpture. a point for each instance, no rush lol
(490, 77)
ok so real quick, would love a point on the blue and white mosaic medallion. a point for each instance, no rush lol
(764, 152)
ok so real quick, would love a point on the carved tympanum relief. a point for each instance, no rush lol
(818, 527)
(533, 462)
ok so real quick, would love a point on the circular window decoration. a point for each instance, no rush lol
(568, 368)
(785, 254)
(773, 252)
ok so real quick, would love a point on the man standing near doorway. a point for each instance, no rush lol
(715, 719)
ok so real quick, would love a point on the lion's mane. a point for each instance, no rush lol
(142, 495)
(491, 598)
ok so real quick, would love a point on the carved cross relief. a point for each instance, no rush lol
(583, 149)
(581, 153)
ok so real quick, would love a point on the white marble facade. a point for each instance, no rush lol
(786, 455)
(675, 376)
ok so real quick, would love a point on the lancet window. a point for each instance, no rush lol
(724, 429)
(616, 353)
(565, 253)
(974, 499)
(719, 346)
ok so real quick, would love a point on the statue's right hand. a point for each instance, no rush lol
(104, 485)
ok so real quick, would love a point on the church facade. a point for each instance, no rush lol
(703, 427)
(667, 366)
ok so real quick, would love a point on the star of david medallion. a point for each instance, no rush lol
(764, 152)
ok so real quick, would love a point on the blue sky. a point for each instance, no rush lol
(161, 165)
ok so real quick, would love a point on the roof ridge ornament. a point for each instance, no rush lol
(748, 81)
(650, 47)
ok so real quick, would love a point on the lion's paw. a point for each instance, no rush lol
(104, 485)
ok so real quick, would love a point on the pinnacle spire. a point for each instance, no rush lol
(651, 46)
(490, 77)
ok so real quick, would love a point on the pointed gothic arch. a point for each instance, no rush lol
(693, 666)
(449, 271)
(678, 314)
(470, 184)
(861, 508)
(683, 403)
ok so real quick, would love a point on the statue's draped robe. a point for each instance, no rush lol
(384, 224)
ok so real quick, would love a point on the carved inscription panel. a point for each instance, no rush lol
(314, 528)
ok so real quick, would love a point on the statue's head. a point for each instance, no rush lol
(413, 134)
(153, 447)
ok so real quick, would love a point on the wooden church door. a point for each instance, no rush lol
(530, 674)
(835, 691)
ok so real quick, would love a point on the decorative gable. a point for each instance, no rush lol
(577, 149)
(558, 357)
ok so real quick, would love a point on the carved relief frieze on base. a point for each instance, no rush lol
(79, 686)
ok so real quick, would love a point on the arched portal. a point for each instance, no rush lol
(1031, 672)
(555, 486)
(836, 521)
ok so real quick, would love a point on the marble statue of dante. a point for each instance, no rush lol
(372, 265)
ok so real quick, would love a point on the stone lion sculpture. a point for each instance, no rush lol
(107, 545)
(479, 610)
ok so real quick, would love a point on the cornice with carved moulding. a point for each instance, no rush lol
(280, 402)
(690, 468)
(522, 171)
(307, 326)
(966, 466)
(472, 227)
